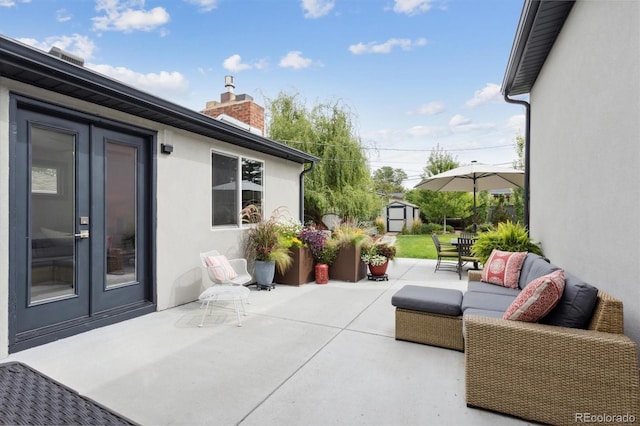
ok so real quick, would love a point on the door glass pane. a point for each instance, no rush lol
(53, 256)
(121, 233)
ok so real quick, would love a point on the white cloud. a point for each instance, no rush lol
(412, 7)
(489, 93)
(120, 16)
(516, 124)
(459, 120)
(387, 46)
(234, 63)
(432, 108)
(295, 60)
(426, 131)
(77, 44)
(63, 15)
(317, 8)
(164, 84)
(204, 5)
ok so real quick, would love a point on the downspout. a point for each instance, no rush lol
(527, 147)
(301, 202)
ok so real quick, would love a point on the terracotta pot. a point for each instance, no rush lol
(322, 273)
(301, 269)
(378, 270)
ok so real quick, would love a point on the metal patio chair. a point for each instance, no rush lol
(447, 256)
(228, 277)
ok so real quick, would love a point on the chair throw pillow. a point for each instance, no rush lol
(220, 267)
(537, 299)
(503, 268)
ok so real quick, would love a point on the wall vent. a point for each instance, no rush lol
(69, 57)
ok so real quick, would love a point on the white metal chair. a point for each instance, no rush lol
(228, 277)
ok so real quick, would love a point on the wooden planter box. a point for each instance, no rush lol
(300, 271)
(347, 266)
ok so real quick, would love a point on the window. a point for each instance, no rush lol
(228, 197)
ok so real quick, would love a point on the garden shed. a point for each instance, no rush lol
(399, 214)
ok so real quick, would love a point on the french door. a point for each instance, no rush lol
(81, 237)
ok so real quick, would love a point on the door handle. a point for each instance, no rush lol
(83, 234)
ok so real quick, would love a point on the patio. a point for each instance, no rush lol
(312, 355)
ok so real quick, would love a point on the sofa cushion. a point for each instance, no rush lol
(481, 287)
(503, 268)
(482, 313)
(492, 302)
(537, 299)
(534, 266)
(442, 301)
(576, 306)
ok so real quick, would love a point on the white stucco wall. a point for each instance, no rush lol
(183, 199)
(184, 210)
(585, 151)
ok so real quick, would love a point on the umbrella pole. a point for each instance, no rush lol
(475, 212)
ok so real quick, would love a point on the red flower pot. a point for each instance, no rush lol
(378, 270)
(322, 273)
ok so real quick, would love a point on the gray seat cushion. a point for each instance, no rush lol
(483, 313)
(442, 301)
(489, 301)
(534, 266)
(576, 306)
(482, 287)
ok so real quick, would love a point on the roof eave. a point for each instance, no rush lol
(539, 26)
(29, 65)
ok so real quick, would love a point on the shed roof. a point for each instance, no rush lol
(539, 26)
(40, 69)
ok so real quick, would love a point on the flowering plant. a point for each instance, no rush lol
(265, 243)
(377, 253)
(290, 233)
(315, 239)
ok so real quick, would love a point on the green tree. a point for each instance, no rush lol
(436, 206)
(389, 180)
(518, 193)
(341, 182)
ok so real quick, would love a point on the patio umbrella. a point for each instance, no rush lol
(473, 178)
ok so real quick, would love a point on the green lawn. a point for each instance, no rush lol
(419, 246)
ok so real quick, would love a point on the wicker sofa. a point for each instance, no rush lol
(542, 372)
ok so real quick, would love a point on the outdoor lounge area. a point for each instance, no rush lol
(312, 355)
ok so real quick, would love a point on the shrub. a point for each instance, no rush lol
(416, 226)
(508, 236)
(430, 228)
(380, 225)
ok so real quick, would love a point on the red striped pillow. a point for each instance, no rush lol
(537, 299)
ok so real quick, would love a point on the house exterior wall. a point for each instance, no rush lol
(183, 200)
(585, 151)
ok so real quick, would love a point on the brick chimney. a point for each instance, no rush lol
(240, 107)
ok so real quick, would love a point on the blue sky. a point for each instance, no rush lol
(415, 73)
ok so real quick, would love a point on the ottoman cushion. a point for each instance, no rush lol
(442, 301)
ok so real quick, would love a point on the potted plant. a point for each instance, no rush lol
(347, 265)
(376, 256)
(322, 251)
(265, 247)
(508, 236)
(301, 269)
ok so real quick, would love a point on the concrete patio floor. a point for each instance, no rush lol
(308, 355)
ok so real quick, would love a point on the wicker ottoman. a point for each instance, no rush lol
(429, 315)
